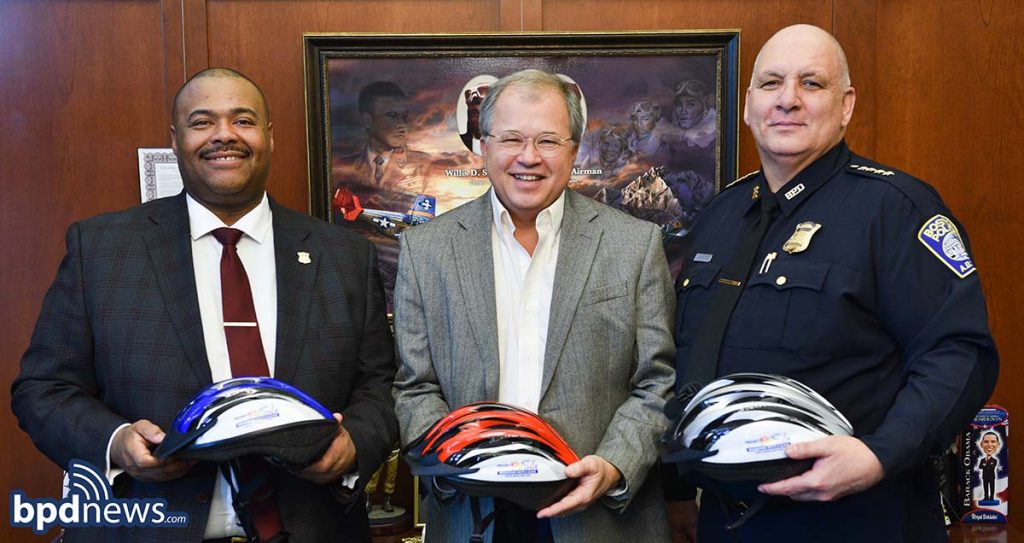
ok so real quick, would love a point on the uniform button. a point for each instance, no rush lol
(202, 497)
(686, 282)
(781, 280)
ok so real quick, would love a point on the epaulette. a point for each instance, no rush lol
(923, 195)
(870, 170)
(742, 179)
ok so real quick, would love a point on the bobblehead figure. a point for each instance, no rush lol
(988, 466)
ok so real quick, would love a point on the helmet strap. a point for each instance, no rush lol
(746, 512)
(252, 496)
(749, 513)
(480, 523)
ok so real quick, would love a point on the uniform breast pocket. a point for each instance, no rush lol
(693, 294)
(785, 301)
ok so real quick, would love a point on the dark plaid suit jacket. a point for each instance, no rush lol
(120, 339)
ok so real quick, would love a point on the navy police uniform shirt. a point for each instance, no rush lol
(864, 289)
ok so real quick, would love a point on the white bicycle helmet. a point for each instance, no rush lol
(737, 428)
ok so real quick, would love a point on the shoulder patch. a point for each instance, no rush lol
(942, 238)
(742, 179)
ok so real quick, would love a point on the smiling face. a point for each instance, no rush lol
(526, 182)
(799, 102)
(223, 139)
(989, 444)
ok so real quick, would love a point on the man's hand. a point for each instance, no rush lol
(132, 449)
(844, 466)
(337, 461)
(596, 476)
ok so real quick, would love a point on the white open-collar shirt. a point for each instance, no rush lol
(523, 287)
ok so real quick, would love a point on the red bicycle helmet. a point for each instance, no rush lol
(491, 449)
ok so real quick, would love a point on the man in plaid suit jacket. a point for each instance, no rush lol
(119, 346)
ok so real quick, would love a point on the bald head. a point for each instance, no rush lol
(799, 101)
(804, 37)
(226, 73)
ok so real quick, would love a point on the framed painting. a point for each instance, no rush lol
(394, 137)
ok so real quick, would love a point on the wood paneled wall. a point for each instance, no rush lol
(85, 82)
(83, 85)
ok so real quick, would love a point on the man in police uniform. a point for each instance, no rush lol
(862, 288)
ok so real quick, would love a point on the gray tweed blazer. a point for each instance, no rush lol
(607, 368)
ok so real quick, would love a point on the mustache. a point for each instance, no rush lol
(224, 148)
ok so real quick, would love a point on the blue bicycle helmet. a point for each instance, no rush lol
(250, 416)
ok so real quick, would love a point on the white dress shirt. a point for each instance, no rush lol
(256, 251)
(523, 287)
(522, 295)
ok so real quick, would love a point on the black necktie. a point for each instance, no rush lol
(702, 363)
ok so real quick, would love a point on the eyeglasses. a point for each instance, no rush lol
(513, 142)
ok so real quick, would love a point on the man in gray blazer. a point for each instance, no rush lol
(537, 296)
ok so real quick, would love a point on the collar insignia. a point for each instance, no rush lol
(791, 193)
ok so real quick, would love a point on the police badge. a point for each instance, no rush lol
(800, 239)
(942, 238)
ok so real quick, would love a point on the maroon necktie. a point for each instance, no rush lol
(245, 352)
(245, 349)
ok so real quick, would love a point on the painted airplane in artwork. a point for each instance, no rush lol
(390, 223)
